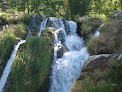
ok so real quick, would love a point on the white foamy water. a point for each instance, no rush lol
(67, 69)
(9, 65)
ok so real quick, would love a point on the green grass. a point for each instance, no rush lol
(31, 67)
(109, 81)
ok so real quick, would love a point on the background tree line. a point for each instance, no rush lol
(68, 9)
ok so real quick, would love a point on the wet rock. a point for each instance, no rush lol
(35, 25)
(61, 50)
(66, 24)
(61, 36)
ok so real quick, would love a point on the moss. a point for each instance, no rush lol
(31, 67)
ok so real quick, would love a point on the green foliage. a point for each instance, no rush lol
(31, 67)
(15, 19)
(103, 8)
(115, 73)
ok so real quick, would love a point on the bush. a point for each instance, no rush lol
(3, 19)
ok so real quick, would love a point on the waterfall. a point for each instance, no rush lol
(69, 55)
(67, 68)
(9, 65)
(43, 26)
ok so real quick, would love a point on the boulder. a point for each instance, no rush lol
(61, 50)
(98, 63)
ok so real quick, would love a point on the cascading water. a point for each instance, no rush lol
(65, 70)
(9, 65)
(68, 68)
(43, 26)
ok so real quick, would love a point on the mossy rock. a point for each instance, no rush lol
(109, 40)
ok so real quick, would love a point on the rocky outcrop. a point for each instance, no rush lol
(98, 63)
(109, 41)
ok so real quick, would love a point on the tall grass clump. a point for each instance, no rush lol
(31, 67)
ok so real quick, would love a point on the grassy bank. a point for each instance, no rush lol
(31, 67)
(12, 33)
(110, 80)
